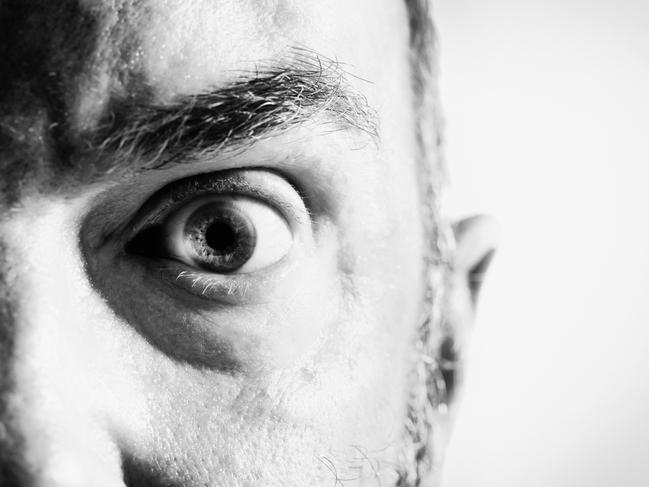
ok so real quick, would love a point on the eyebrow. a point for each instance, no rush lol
(255, 106)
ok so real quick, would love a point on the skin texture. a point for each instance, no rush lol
(117, 367)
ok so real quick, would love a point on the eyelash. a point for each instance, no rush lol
(208, 283)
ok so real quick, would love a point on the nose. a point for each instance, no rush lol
(59, 373)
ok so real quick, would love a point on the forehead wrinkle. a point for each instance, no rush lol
(115, 69)
(44, 48)
(59, 49)
(59, 62)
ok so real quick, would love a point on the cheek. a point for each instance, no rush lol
(334, 344)
(384, 234)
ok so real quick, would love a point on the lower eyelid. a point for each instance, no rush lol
(207, 286)
(227, 289)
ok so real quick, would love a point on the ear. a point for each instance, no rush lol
(476, 239)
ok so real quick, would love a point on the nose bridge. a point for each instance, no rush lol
(15, 403)
(51, 432)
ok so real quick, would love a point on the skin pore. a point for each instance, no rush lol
(131, 358)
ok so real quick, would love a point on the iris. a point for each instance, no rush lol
(219, 237)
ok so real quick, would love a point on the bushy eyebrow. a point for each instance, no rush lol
(257, 105)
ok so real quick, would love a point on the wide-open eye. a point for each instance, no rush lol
(222, 224)
(225, 234)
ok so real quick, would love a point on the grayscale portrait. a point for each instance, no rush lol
(223, 257)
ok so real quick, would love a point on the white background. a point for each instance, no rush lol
(547, 108)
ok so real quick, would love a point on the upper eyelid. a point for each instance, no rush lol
(163, 202)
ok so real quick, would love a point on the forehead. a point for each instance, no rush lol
(63, 63)
(99, 48)
(187, 44)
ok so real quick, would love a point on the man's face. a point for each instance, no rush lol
(212, 243)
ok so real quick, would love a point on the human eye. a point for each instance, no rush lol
(198, 264)
(220, 233)
(219, 236)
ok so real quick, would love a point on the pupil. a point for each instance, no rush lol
(221, 237)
